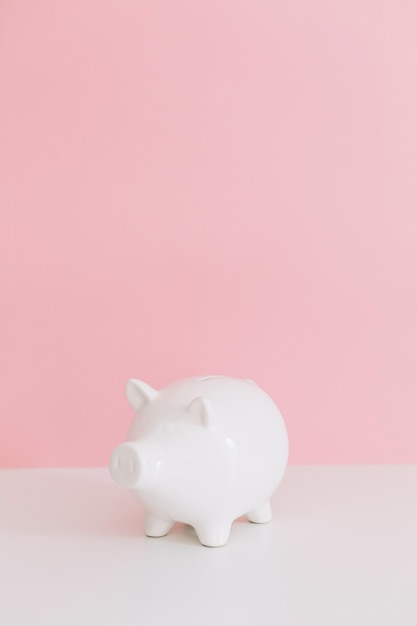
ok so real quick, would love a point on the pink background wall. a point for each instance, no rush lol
(208, 187)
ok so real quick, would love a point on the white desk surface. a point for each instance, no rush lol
(341, 550)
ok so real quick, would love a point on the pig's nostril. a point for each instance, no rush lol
(125, 465)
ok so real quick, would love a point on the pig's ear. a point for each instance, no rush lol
(199, 409)
(139, 393)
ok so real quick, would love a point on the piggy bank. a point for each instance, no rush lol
(202, 451)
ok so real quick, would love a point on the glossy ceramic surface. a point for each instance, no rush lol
(202, 451)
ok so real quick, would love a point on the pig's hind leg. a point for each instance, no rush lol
(213, 535)
(260, 514)
(157, 527)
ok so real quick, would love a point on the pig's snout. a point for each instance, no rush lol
(125, 465)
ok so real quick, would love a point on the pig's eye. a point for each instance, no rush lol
(167, 427)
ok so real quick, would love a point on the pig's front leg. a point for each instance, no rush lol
(157, 527)
(213, 535)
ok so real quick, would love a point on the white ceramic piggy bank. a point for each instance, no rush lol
(202, 451)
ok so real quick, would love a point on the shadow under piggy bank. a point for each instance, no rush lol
(78, 502)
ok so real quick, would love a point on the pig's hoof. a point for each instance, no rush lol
(155, 527)
(124, 465)
(260, 514)
(213, 536)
